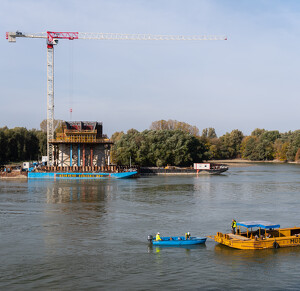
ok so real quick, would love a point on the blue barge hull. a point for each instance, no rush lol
(80, 176)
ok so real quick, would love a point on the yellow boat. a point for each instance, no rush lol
(257, 235)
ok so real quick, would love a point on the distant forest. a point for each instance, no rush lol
(180, 144)
(165, 143)
(19, 144)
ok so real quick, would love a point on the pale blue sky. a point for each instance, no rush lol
(249, 81)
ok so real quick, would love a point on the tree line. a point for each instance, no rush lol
(166, 143)
(19, 144)
(157, 148)
(180, 144)
(260, 145)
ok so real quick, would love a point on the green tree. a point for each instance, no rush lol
(270, 136)
(174, 125)
(57, 124)
(294, 139)
(3, 145)
(297, 157)
(280, 148)
(42, 141)
(257, 132)
(19, 144)
(264, 150)
(209, 133)
(248, 148)
(230, 144)
(260, 145)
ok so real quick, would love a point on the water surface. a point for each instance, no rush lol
(93, 234)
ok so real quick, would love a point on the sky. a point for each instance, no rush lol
(249, 81)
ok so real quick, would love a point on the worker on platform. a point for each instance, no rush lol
(157, 238)
(233, 226)
(187, 235)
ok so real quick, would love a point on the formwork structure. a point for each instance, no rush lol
(81, 144)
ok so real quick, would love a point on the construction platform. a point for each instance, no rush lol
(81, 144)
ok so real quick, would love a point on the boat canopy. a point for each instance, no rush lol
(261, 224)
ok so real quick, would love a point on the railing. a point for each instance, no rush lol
(94, 169)
(72, 131)
(80, 139)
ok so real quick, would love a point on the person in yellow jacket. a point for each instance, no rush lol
(233, 226)
(187, 235)
(157, 237)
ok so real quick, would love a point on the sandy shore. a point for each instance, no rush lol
(21, 177)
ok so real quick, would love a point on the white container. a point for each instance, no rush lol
(26, 165)
(202, 166)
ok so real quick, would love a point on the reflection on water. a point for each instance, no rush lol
(187, 247)
(72, 191)
(93, 234)
(77, 192)
(224, 253)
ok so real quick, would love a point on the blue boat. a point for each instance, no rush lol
(80, 176)
(178, 241)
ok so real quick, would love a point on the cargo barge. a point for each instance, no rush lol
(53, 173)
(199, 168)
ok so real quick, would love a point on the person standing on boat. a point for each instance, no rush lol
(187, 235)
(233, 226)
(157, 238)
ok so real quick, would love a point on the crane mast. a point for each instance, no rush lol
(52, 39)
(50, 102)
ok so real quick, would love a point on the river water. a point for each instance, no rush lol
(75, 235)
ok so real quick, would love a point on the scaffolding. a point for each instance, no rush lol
(81, 144)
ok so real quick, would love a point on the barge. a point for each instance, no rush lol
(78, 173)
(199, 168)
(81, 176)
(257, 235)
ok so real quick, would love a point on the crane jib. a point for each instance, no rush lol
(51, 36)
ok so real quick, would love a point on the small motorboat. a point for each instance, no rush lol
(176, 241)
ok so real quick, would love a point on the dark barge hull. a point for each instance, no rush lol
(152, 171)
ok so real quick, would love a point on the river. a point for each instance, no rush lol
(92, 235)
